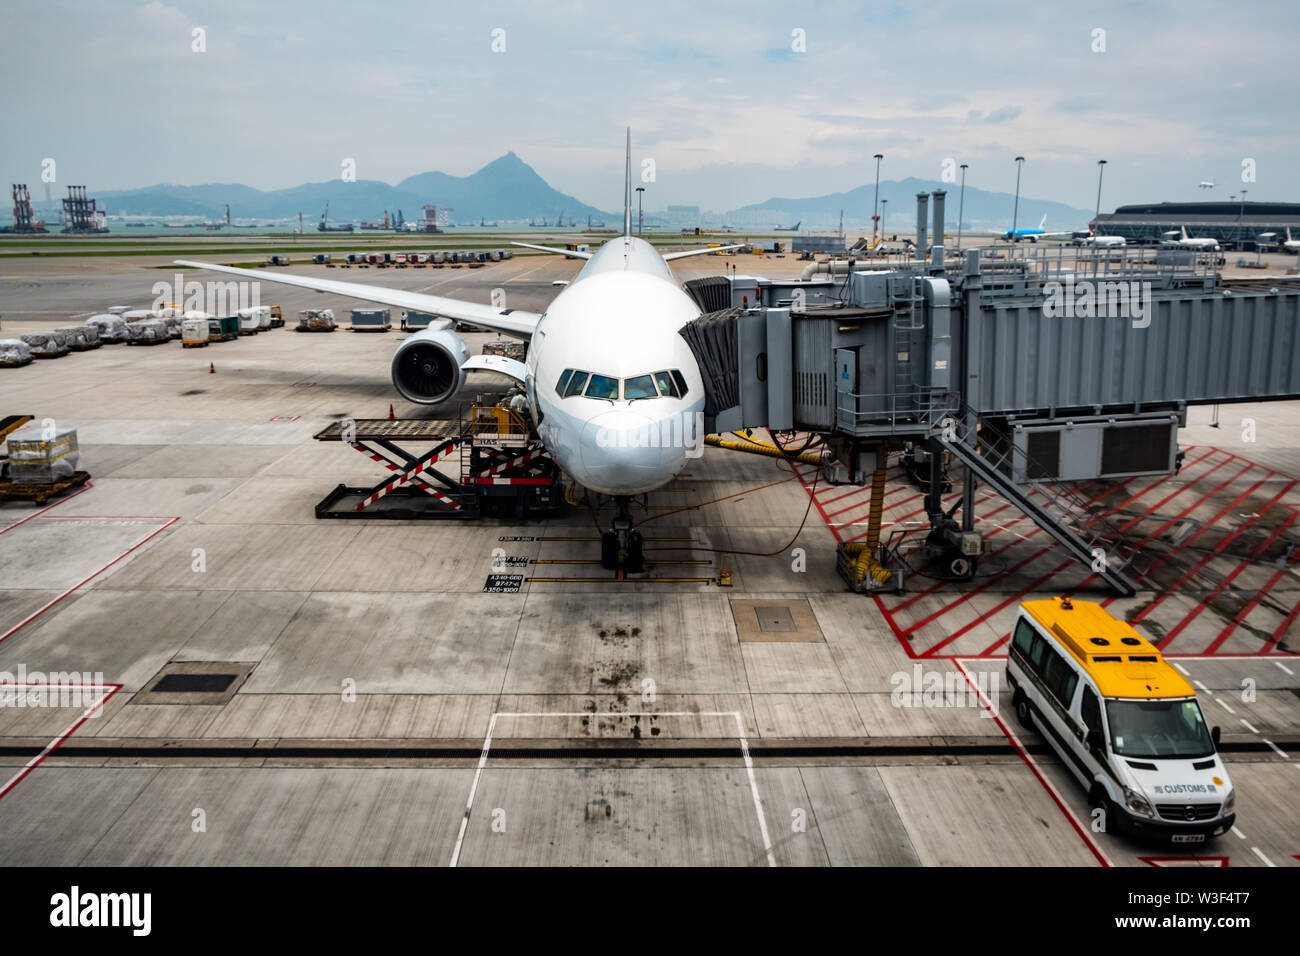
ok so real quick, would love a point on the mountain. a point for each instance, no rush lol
(983, 210)
(506, 188)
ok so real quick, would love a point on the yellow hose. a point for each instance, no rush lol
(756, 448)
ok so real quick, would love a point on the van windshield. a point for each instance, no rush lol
(1158, 728)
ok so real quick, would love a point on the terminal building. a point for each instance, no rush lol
(1237, 225)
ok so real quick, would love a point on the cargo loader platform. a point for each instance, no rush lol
(503, 469)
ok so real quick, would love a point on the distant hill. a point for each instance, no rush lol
(506, 188)
(983, 210)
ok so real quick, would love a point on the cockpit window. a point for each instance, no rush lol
(641, 386)
(670, 384)
(602, 386)
(666, 384)
(576, 384)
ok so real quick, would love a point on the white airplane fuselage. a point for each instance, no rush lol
(618, 318)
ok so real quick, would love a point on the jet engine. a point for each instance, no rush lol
(427, 366)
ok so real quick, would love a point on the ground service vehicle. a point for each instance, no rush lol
(1122, 719)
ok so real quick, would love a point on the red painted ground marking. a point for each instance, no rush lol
(1162, 861)
(1222, 585)
(988, 614)
(58, 741)
(1084, 835)
(1228, 539)
(36, 514)
(31, 617)
(1276, 638)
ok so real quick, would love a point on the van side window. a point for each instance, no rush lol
(1059, 677)
(1024, 636)
(1090, 710)
(1037, 651)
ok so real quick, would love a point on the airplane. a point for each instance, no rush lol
(1207, 245)
(794, 228)
(605, 371)
(1103, 242)
(1033, 235)
(1292, 245)
(1207, 184)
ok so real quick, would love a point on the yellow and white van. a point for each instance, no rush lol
(1122, 719)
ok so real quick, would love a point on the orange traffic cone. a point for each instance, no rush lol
(212, 369)
(391, 416)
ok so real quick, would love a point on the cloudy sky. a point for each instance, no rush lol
(734, 102)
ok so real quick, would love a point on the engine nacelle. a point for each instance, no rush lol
(427, 366)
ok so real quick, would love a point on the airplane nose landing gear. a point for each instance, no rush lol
(622, 542)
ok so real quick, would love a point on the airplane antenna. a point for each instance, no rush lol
(627, 191)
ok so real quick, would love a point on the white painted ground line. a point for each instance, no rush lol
(740, 733)
(1203, 687)
(1240, 835)
(1185, 671)
(1284, 667)
(1280, 751)
(1267, 862)
(1248, 727)
(1226, 707)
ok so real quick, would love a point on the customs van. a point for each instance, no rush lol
(1123, 720)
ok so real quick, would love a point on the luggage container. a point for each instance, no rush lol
(278, 259)
(249, 321)
(370, 320)
(112, 328)
(223, 329)
(321, 258)
(148, 332)
(258, 317)
(50, 344)
(315, 320)
(38, 455)
(14, 352)
(80, 338)
(194, 333)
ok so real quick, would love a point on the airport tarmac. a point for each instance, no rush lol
(387, 710)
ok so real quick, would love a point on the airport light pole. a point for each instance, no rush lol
(884, 203)
(875, 201)
(639, 220)
(1101, 168)
(961, 203)
(1241, 209)
(1015, 210)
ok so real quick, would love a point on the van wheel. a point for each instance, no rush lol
(1098, 801)
(1022, 706)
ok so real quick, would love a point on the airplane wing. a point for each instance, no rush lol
(512, 322)
(670, 256)
(553, 250)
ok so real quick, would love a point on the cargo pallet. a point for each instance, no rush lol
(303, 328)
(503, 468)
(194, 345)
(41, 492)
(148, 341)
(18, 364)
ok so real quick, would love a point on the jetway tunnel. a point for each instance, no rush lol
(1033, 368)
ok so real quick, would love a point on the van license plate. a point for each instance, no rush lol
(1189, 838)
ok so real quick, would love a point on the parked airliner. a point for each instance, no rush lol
(1033, 235)
(614, 392)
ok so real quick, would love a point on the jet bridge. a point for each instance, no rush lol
(1032, 366)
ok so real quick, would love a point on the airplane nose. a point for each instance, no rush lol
(623, 454)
